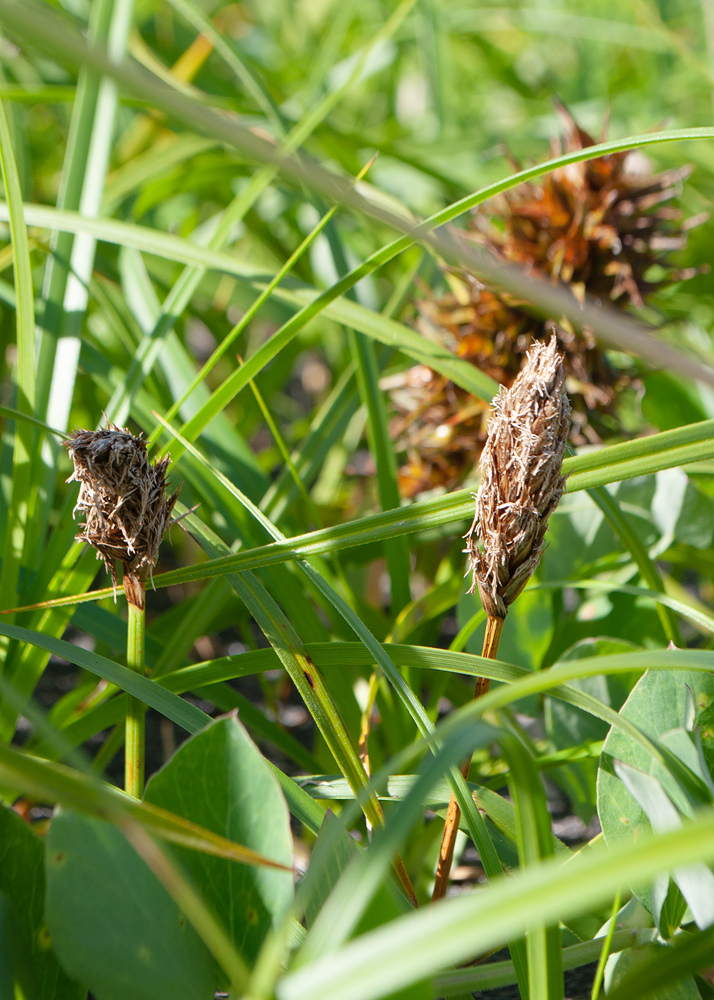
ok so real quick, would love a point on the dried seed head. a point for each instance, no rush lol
(596, 226)
(123, 498)
(521, 480)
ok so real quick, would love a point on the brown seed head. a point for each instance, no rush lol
(596, 226)
(123, 498)
(521, 479)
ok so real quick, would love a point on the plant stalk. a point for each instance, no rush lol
(135, 710)
(494, 627)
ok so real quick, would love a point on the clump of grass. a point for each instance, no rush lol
(126, 514)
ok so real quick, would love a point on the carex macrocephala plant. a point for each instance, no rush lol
(126, 514)
(597, 226)
(521, 484)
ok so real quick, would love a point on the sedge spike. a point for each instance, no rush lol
(123, 499)
(521, 484)
(521, 479)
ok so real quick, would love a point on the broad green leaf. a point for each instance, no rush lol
(301, 805)
(657, 703)
(696, 882)
(22, 884)
(569, 727)
(227, 699)
(220, 780)
(669, 403)
(664, 966)
(113, 924)
(695, 524)
(627, 968)
(648, 569)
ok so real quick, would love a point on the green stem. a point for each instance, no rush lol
(135, 709)
(606, 947)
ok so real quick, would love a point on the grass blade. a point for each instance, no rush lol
(535, 844)
(648, 570)
(641, 457)
(16, 516)
(45, 29)
(50, 782)
(181, 712)
(418, 945)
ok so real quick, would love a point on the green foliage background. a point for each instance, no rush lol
(178, 189)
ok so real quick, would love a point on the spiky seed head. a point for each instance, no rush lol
(123, 499)
(521, 478)
(597, 226)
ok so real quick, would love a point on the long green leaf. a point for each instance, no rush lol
(343, 910)
(651, 454)
(181, 712)
(494, 974)
(68, 275)
(182, 291)
(16, 515)
(288, 646)
(55, 783)
(662, 452)
(241, 326)
(566, 671)
(535, 844)
(477, 828)
(311, 303)
(332, 656)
